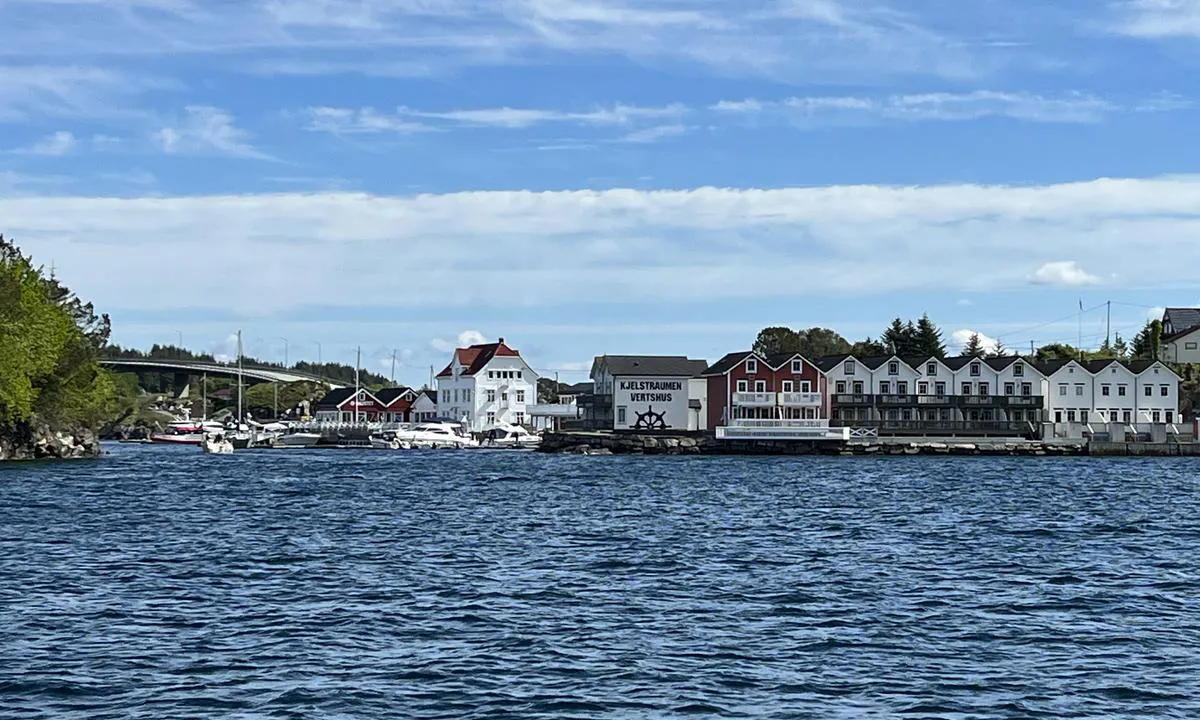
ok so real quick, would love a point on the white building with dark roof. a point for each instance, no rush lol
(648, 392)
(486, 385)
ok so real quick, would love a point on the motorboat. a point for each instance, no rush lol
(435, 435)
(217, 444)
(297, 439)
(503, 435)
(185, 432)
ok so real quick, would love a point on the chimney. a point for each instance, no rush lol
(501, 341)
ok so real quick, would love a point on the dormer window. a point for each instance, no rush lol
(975, 369)
(797, 367)
(848, 367)
(931, 369)
(1018, 370)
(752, 366)
(893, 368)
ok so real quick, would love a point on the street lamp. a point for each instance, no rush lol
(179, 351)
(318, 351)
(285, 350)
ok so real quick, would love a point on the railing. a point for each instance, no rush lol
(939, 427)
(1023, 401)
(942, 399)
(854, 399)
(994, 401)
(777, 423)
(981, 400)
(896, 399)
(754, 398)
(800, 399)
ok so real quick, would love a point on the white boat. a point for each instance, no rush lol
(382, 443)
(298, 439)
(435, 435)
(217, 444)
(503, 435)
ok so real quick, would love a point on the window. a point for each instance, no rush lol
(1018, 370)
(885, 388)
(983, 389)
(940, 388)
(1156, 416)
(760, 386)
(797, 367)
(840, 388)
(503, 397)
(1070, 416)
(1058, 416)
(743, 386)
(1105, 390)
(787, 386)
(923, 388)
(805, 386)
(1170, 417)
(1188, 346)
(1163, 390)
(966, 388)
(893, 368)
(931, 369)
(1079, 388)
(858, 387)
(455, 394)
(1062, 388)
(901, 388)
(1121, 390)
(1027, 389)
(975, 369)
(520, 375)
(1149, 391)
(621, 415)
(491, 396)
(906, 414)
(751, 366)
(520, 418)
(520, 396)
(1010, 389)
(491, 418)
(1125, 417)
(848, 367)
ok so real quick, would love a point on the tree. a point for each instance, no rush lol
(1146, 344)
(998, 351)
(1056, 351)
(818, 342)
(777, 341)
(974, 347)
(867, 348)
(929, 339)
(1120, 348)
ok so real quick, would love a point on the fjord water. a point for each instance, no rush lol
(162, 582)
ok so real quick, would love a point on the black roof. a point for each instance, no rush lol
(336, 397)
(829, 362)
(388, 395)
(431, 394)
(733, 359)
(1178, 320)
(582, 388)
(999, 363)
(1050, 367)
(665, 365)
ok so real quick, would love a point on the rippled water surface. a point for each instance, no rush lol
(161, 582)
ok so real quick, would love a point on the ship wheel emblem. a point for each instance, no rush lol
(651, 420)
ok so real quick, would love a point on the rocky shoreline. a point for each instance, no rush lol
(606, 443)
(41, 442)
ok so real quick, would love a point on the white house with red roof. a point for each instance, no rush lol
(485, 385)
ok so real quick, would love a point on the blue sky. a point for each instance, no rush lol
(590, 176)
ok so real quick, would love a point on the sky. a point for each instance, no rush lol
(593, 176)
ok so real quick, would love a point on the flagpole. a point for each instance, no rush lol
(1080, 340)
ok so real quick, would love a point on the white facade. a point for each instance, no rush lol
(1113, 394)
(698, 395)
(1184, 349)
(653, 402)
(498, 392)
(424, 408)
(936, 378)
(976, 378)
(1020, 378)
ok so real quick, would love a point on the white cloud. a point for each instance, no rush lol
(58, 144)
(619, 245)
(960, 338)
(408, 120)
(465, 338)
(1158, 18)
(1155, 313)
(348, 121)
(964, 302)
(1063, 272)
(1074, 107)
(655, 133)
(207, 130)
(28, 91)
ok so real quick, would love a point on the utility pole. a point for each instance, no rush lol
(275, 388)
(1032, 352)
(393, 366)
(1108, 325)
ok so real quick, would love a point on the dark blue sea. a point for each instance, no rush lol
(165, 583)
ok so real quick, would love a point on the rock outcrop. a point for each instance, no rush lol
(37, 442)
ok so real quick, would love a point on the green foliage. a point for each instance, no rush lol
(260, 399)
(929, 339)
(1147, 344)
(913, 339)
(974, 347)
(811, 343)
(50, 342)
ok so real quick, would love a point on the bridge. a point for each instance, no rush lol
(193, 367)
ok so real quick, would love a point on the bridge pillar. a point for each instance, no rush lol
(180, 382)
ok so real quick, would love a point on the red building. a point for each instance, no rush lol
(342, 405)
(397, 403)
(749, 386)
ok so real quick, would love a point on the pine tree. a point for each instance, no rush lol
(999, 350)
(974, 347)
(893, 339)
(929, 339)
(1120, 347)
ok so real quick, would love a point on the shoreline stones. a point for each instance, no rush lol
(41, 442)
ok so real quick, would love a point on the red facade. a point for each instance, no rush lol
(776, 376)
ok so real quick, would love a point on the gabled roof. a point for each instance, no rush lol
(1050, 367)
(958, 362)
(582, 388)
(1181, 334)
(475, 357)
(829, 362)
(729, 362)
(876, 361)
(427, 393)
(340, 396)
(1095, 366)
(1180, 319)
(1002, 362)
(661, 365)
(1137, 367)
(388, 396)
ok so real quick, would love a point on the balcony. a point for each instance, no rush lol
(936, 400)
(800, 399)
(981, 400)
(928, 428)
(754, 399)
(908, 400)
(853, 399)
(1019, 401)
(750, 429)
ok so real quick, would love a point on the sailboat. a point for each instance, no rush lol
(240, 434)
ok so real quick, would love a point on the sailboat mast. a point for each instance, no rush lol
(357, 362)
(239, 388)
